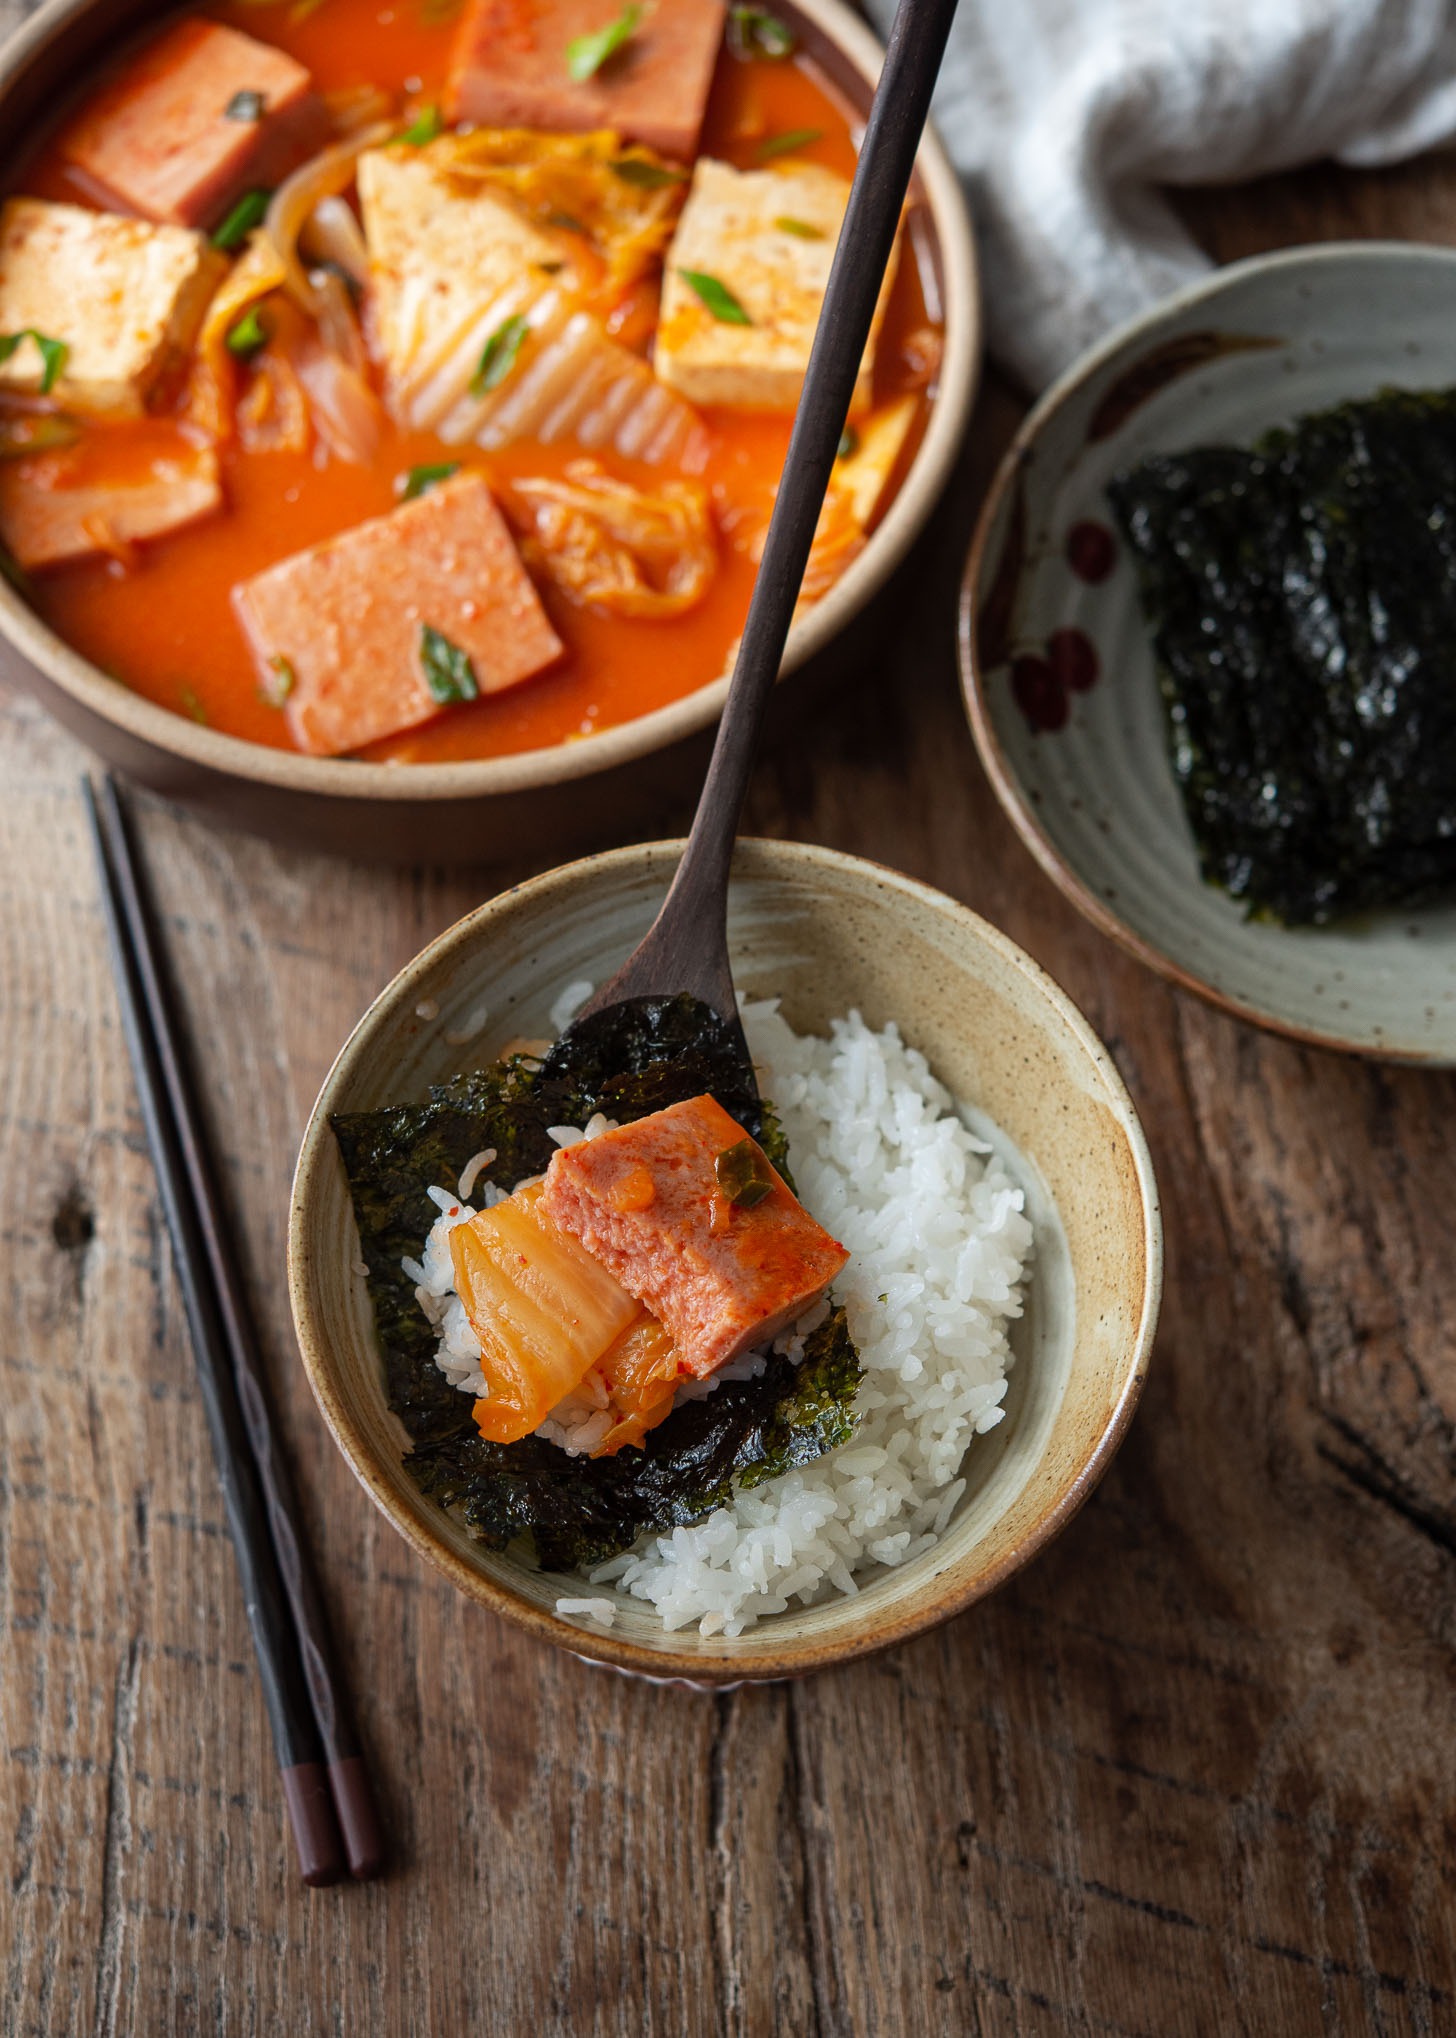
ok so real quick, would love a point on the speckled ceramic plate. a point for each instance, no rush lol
(824, 932)
(1078, 754)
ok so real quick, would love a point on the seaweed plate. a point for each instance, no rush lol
(1057, 657)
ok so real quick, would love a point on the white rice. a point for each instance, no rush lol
(939, 1247)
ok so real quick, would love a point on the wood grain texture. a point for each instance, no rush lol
(1191, 1775)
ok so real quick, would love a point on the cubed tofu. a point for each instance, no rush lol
(732, 229)
(112, 491)
(450, 267)
(159, 137)
(125, 297)
(863, 475)
(509, 69)
(342, 624)
(720, 1276)
(442, 256)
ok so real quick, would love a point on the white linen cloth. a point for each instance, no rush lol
(1064, 117)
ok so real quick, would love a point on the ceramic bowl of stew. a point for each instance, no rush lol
(140, 653)
(825, 933)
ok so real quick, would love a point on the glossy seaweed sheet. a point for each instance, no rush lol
(1302, 596)
(576, 1510)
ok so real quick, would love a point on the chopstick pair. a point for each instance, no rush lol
(325, 1783)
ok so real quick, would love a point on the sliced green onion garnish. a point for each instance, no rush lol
(753, 32)
(427, 123)
(449, 674)
(420, 478)
(498, 356)
(744, 1176)
(247, 334)
(786, 144)
(585, 54)
(647, 176)
(53, 354)
(245, 215)
(717, 297)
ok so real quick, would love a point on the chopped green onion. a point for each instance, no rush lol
(568, 221)
(753, 32)
(788, 143)
(647, 176)
(247, 334)
(193, 706)
(245, 215)
(801, 229)
(585, 54)
(717, 297)
(274, 690)
(42, 432)
(427, 123)
(53, 354)
(449, 674)
(244, 106)
(420, 478)
(498, 356)
(744, 1176)
(848, 444)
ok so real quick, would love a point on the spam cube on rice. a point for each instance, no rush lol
(108, 493)
(721, 1277)
(124, 297)
(509, 69)
(343, 625)
(201, 116)
(768, 237)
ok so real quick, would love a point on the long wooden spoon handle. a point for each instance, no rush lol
(698, 897)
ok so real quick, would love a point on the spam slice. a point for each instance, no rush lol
(654, 1201)
(386, 625)
(766, 237)
(124, 298)
(111, 491)
(202, 115)
(509, 68)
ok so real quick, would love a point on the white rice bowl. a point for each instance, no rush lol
(940, 1247)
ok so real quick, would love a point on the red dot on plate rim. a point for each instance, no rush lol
(1039, 693)
(1091, 550)
(1072, 656)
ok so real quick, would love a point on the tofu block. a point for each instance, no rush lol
(344, 621)
(62, 507)
(127, 298)
(730, 229)
(158, 137)
(450, 266)
(509, 69)
(863, 475)
(440, 255)
(720, 1276)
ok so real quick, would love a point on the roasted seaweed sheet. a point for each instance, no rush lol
(577, 1511)
(1302, 597)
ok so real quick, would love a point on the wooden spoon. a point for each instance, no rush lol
(686, 947)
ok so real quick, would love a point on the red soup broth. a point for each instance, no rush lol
(162, 620)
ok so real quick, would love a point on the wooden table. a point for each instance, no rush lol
(1192, 1773)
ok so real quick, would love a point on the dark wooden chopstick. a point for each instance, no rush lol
(326, 1786)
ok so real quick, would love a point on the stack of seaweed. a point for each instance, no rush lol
(1303, 601)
